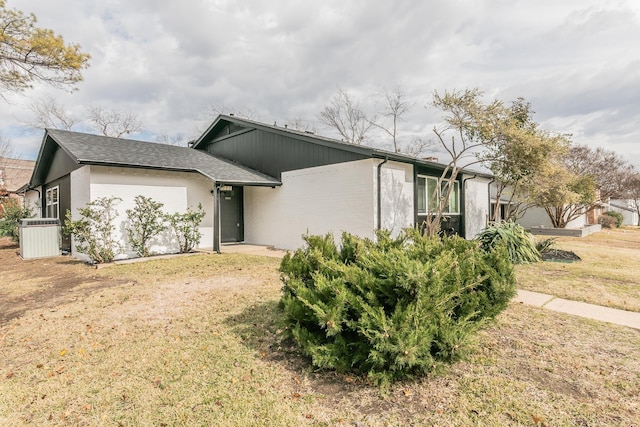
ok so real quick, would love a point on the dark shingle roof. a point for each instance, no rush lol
(95, 149)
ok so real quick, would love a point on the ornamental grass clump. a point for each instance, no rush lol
(521, 245)
(392, 308)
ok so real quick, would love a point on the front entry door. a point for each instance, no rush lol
(231, 223)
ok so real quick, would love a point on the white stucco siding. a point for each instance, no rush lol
(176, 190)
(333, 198)
(476, 205)
(397, 196)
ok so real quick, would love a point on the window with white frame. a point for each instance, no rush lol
(430, 194)
(52, 203)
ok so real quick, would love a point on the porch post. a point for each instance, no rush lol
(216, 219)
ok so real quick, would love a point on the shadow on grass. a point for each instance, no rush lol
(261, 327)
(53, 281)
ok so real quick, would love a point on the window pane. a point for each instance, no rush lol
(454, 199)
(54, 195)
(432, 194)
(422, 195)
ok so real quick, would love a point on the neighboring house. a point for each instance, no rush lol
(258, 184)
(14, 175)
(627, 208)
(538, 217)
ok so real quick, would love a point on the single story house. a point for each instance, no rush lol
(538, 217)
(258, 184)
(627, 208)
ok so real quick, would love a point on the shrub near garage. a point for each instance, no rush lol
(617, 216)
(146, 221)
(393, 308)
(93, 231)
(607, 221)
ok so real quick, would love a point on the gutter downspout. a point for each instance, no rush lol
(216, 218)
(464, 181)
(386, 159)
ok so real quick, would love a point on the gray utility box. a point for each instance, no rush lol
(39, 238)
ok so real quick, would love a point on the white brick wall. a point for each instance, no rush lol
(333, 198)
(476, 205)
(317, 200)
(177, 190)
(397, 196)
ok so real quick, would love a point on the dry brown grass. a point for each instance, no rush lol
(197, 341)
(609, 273)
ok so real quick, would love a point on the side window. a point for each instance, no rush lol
(430, 195)
(422, 195)
(51, 198)
(454, 199)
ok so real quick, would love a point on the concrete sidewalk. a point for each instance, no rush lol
(582, 309)
(242, 248)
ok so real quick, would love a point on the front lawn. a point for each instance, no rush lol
(197, 341)
(609, 273)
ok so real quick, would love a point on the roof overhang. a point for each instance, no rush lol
(239, 183)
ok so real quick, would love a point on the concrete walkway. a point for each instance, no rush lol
(241, 248)
(582, 309)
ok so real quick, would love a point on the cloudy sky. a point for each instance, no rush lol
(173, 63)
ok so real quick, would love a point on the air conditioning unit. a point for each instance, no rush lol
(39, 238)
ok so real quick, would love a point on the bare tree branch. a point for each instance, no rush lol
(165, 137)
(6, 148)
(113, 122)
(396, 106)
(302, 125)
(6, 153)
(417, 147)
(345, 115)
(608, 169)
(49, 114)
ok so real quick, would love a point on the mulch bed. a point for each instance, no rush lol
(558, 255)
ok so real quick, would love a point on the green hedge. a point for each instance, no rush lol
(393, 308)
(618, 217)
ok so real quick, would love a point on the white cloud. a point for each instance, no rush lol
(577, 61)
